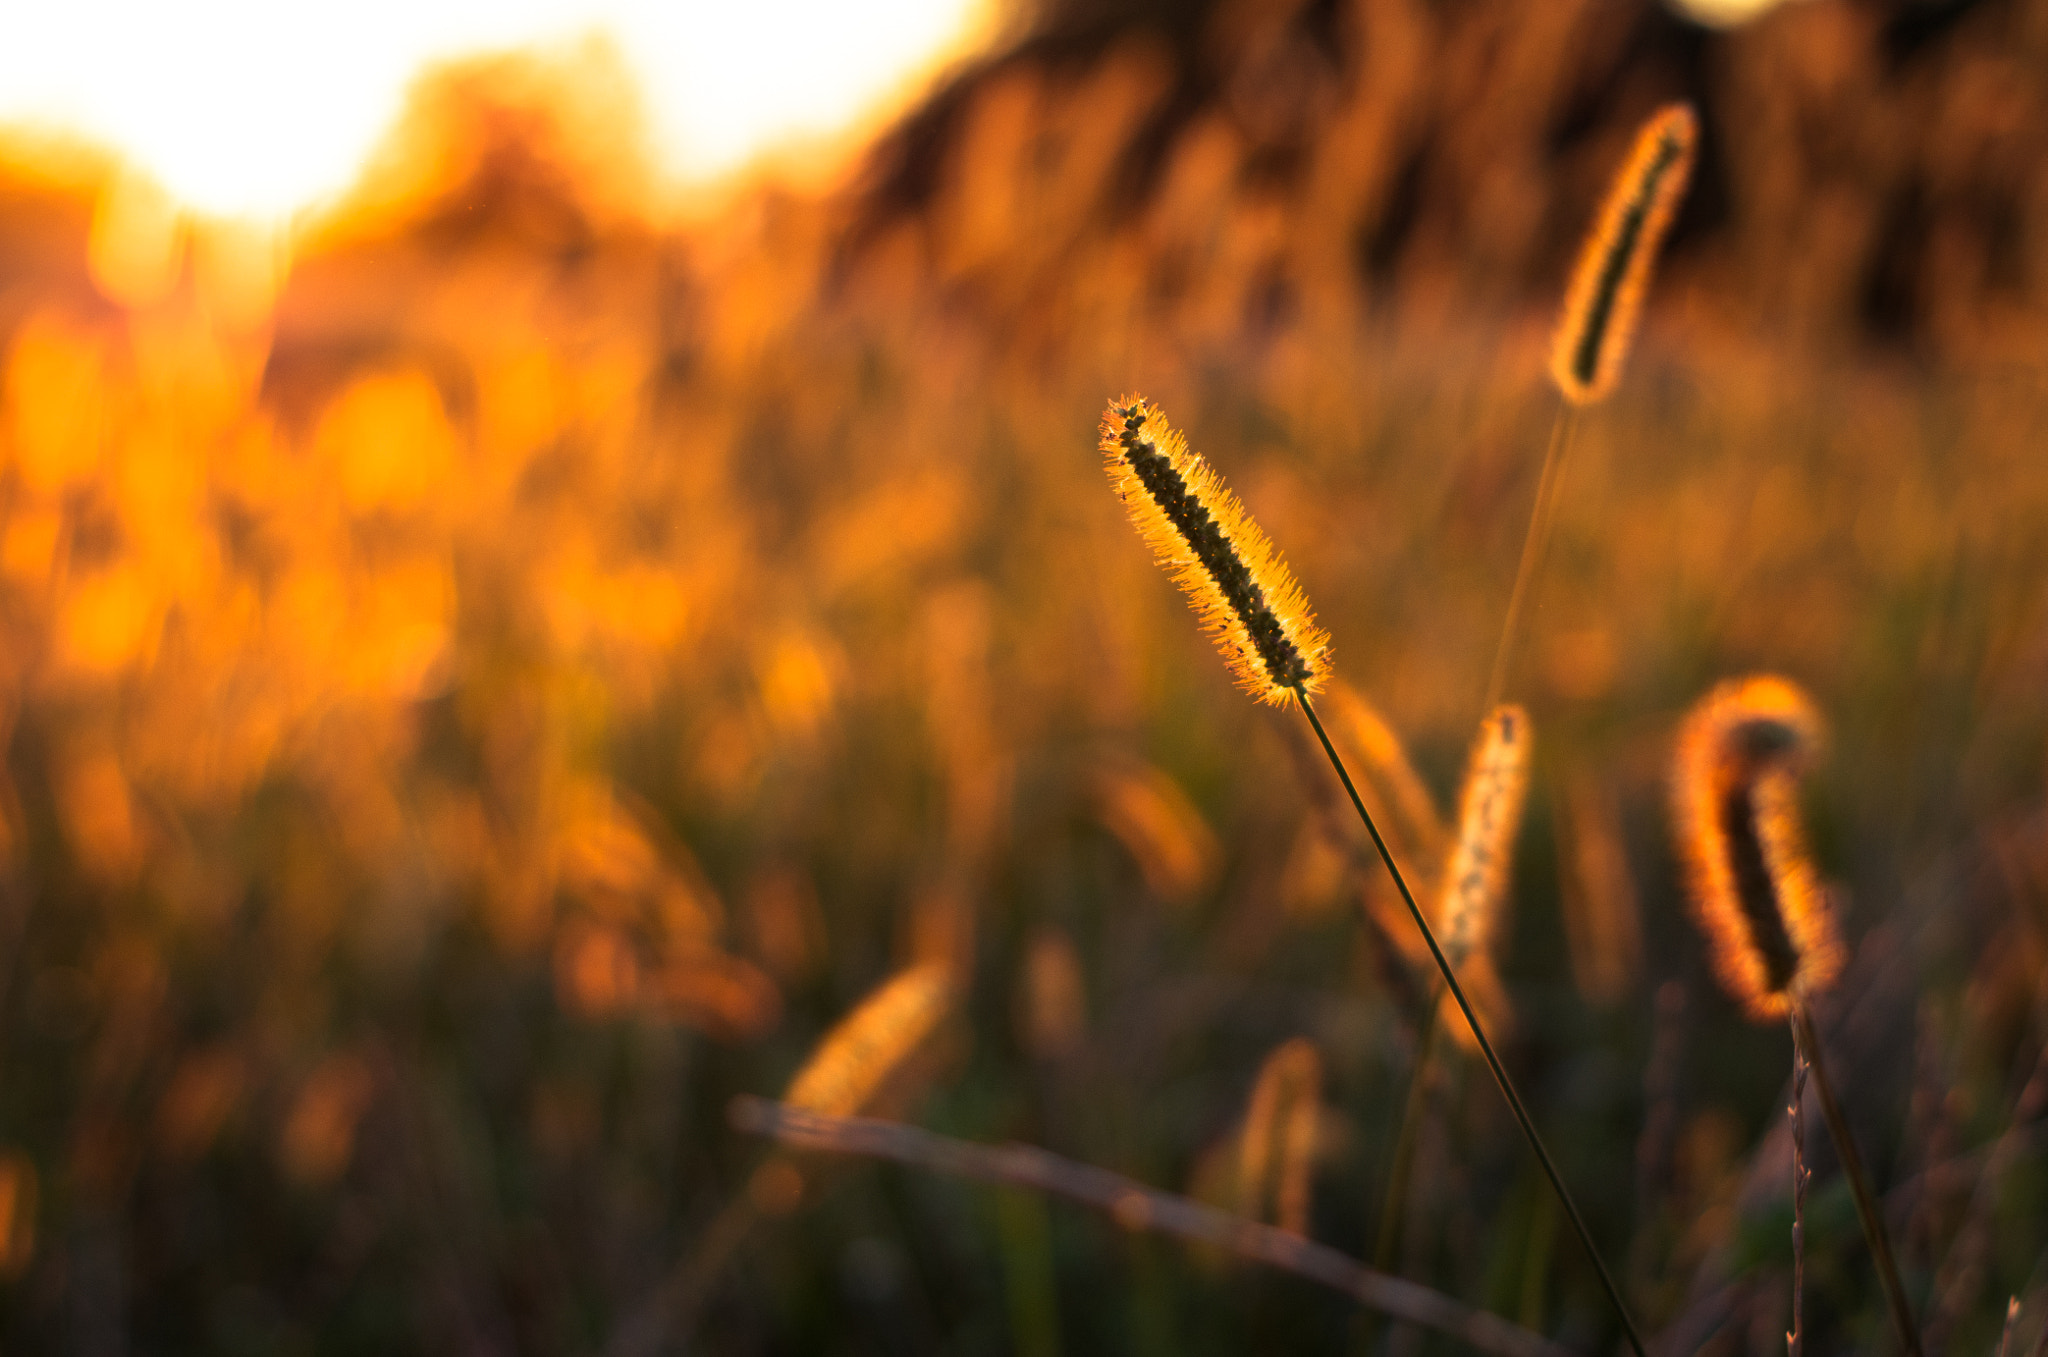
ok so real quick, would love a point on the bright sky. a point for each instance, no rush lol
(262, 106)
(1724, 13)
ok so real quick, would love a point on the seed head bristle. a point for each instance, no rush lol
(1281, 1115)
(1489, 813)
(1735, 794)
(858, 1057)
(1607, 287)
(1241, 590)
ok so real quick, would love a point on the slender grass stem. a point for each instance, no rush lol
(1500, 1074)
(1534, 543)
(1795, 1341)
(1859, 1182)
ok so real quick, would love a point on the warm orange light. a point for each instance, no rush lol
(240, 106)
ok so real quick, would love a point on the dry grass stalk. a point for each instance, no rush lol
(1753, 889)
(1137, 1207)
(1278, 1146)
(1606, 292)
(1534, 542)
(1795, 1340)
(1241, 589)
(1874, 1233)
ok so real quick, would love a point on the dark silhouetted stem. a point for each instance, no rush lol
(1500, 1074)
(1795, 1340)
(1859, 1182)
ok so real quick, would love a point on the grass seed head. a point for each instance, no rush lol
(1606, 292)
(858, 1058)
(1279, 1141)
(1489, 813)
(1735, 795)
(1241, 589)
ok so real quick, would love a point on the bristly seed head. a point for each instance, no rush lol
(1734, 797)
(1241, 589)
(871, 1046)
(1613, 272)
(1489, 813)
(1279, 1137)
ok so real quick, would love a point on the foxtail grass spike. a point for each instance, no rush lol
(1754, 893)
(1753, 888)
(1474, 882)
(1241, 589)
(1279, 1142)
(1489, 813)
(1251, 606)
(857, 1059)
(1607, 287)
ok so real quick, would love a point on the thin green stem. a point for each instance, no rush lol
(1534, 543)
(1859, 1182)
(1500, 1074)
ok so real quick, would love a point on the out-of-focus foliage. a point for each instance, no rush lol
(492, 676)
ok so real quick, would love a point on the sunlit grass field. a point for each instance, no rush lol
(490, 683)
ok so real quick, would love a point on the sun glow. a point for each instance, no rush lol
(254, 107)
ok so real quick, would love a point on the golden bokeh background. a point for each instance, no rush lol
(499, 669)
